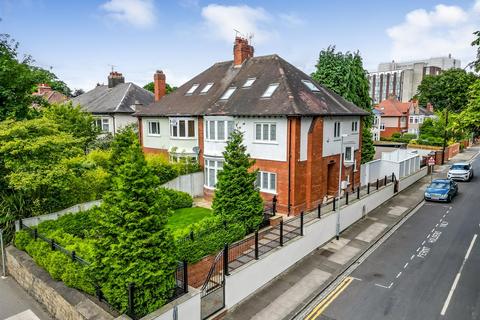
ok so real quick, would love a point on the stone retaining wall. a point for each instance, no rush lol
(60, 301)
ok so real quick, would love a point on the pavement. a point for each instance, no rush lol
(17, 304)
(294, 292)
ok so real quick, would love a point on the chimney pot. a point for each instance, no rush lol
(115, 78)
(159, 84)
(242, 51)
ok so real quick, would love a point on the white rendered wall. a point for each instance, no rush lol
(164, 141)
(331, 145)
(188, 308)
(259, 150)
(305, 124)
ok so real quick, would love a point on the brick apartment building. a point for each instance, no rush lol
(292, 126)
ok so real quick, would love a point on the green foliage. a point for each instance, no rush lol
(178, 199)
(209, 236)
(166, 170)
(476, 43)
(18, 80)
(469, 118)
(77, 224)
(236, 198)
(132, 243)
(150, 87)
(74, 121)
(344, 74)
(447, 90)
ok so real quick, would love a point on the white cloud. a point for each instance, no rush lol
(291, 19)
(223, 20)
(443, 30)
(138, 13)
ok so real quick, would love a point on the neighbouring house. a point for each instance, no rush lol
(49, 95)
(113, 105)
(293, 127)
(394, 116)
(416, 116)
(377, 120)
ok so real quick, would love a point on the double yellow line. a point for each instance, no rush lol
(317, 311)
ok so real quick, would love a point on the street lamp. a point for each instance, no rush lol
(340, 184)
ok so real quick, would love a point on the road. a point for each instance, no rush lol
(428, 269)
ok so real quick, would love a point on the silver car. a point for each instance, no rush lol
(461, 171)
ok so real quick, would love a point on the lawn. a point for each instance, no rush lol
(184, 217)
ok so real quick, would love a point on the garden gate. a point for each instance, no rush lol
(213, 290)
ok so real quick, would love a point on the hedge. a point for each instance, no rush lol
(178, 199)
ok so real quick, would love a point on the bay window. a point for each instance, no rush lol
(212, 167)
(218, 130)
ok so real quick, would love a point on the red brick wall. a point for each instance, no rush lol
(197, 272)
(387, 133)
(140, 130)
(156, 151)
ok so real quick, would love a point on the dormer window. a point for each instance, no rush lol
(249, 82)
(270, 90)
(206, 88)
(310, 85)
(192, 89)
(228, 93)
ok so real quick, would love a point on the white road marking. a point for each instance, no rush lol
(356, 278)
(423, 242)
(418, 249)
(443, 224)
(457, 277)
(429, 235)
(435, 236)
(413, 256)
(432, 230)
(436, 225)
(444, 215)
(379, 285)
(399, 274)
(391, 284)
(423, 253)
(405, 266)
(441, 220)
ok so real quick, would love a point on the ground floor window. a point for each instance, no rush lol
(266, 181)
(103, 124)
(212, 167)
(183, 158)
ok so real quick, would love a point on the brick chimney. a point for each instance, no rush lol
(43, 88)
(115, 78)
(429, 107)
(159, 84)
(241, 51)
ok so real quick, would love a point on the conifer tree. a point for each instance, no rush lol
(237, 199)
(133, 244)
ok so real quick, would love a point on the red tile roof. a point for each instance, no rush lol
(391, 107)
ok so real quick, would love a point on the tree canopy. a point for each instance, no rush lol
(19, 79)
(237, 199)
(151, 87)
(476, 43)
(344, 74)
(447, 90)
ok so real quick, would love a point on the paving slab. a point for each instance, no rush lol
(371, 232)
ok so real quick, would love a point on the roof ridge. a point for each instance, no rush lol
(124, 95)
(280, 60)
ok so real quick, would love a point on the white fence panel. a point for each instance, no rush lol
(190, 183)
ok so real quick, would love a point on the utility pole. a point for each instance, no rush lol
(445, 135)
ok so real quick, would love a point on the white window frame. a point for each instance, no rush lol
(150, 123)
(352, 153)
(192, 89)
(354, 126)
(212, 164)
(249, 82)
(175, 122)
(268, 138)
(337, 129)
(270, 90)
(101, 122)
(309, 84)
(207, 87)
(189, 158)
(228, 93)
(266, 186)
(228, 127)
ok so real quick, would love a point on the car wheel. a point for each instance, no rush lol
(449, 199)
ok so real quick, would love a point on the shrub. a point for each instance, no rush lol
(209, 236)
(75, 224)
(161, 168)
(396, 135)
(178, 199)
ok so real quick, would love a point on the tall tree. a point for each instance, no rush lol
(447, 90)
(344, 74)
(476, 43)
(469, 118)
(133, 243)
(237, 199)
(151, 87)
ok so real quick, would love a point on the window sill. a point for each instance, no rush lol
(152, 135)
(216, 141)
(183, 138)
(209, 188)
(265, 142)
(268, 191)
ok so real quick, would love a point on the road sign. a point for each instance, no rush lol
(431, 161)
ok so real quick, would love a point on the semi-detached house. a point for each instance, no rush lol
(293, 127)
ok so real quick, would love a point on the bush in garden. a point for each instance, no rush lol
(178, 199)
(209, 236)
(237, 199)
(132, 243)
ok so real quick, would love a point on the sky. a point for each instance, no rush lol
(80, 40)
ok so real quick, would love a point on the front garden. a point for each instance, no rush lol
(141, 231)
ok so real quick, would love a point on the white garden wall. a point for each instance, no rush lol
(190, 183)
(187, 308)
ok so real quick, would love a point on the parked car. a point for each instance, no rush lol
(441, 190)
(461, 171)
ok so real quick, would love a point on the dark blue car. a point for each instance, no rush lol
(441, 190)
